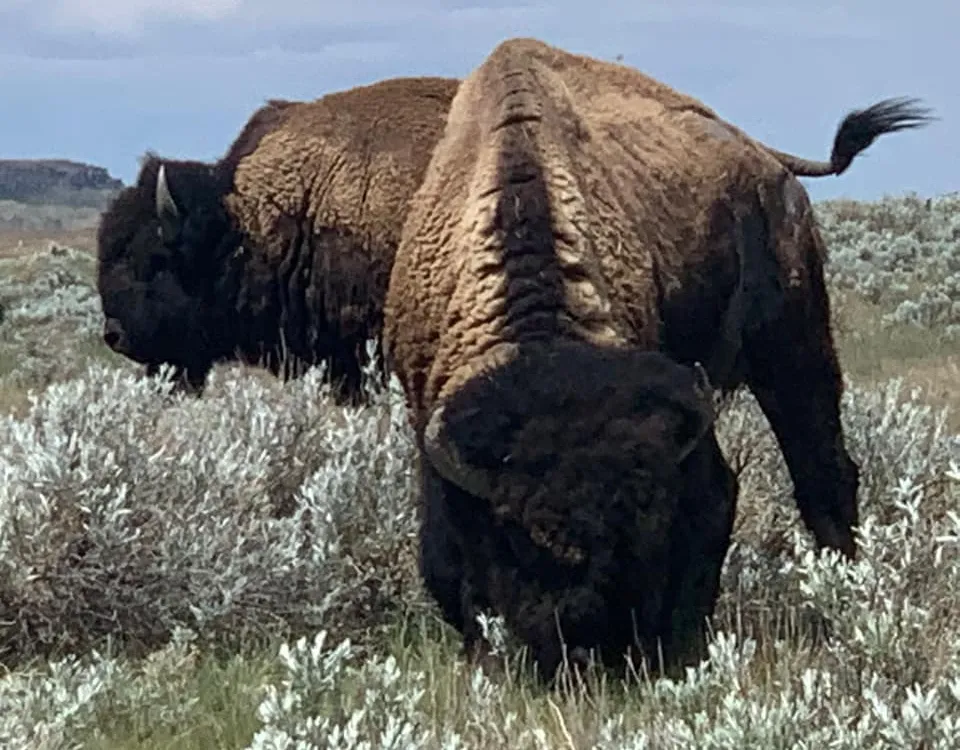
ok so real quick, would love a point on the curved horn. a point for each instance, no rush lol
(446, 459)
(166, 205)
(701, 384)
(705, 395)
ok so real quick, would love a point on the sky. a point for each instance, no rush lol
(103, 81)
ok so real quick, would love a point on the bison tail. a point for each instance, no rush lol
(563, 426)
(857, 131)
(860, 128)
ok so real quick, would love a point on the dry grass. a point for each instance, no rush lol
(872, 353)
(20, 243)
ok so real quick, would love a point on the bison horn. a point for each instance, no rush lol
(446, 459)
(165, 203)
(167, 211)
(705, 396)
(701, 383)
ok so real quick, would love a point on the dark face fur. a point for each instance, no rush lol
(158, 268)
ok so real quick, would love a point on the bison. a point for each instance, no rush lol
(586, 238)
(279, 253)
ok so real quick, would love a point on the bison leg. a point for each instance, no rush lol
(791, 362)
(794, 374)
(345, 373)
(699, 542)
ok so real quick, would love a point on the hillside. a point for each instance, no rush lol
(53, 194)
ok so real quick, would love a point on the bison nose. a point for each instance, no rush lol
(112, 333)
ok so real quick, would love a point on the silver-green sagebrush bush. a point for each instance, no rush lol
(50, 317)
(54, 283)
(901, 252)
(125, 512)
(46, 708)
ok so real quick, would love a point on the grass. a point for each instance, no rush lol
(224, 692)
(871, 353)
(166, 567)
(17, 217)
(226, 688)
(224, 714)
(24, 242)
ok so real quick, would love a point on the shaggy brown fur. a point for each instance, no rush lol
(606, 503)
(280, 252)
(574, 214)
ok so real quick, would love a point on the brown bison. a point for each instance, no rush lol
(280, 252)
(583, 237)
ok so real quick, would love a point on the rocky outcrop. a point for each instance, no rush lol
(56, 182)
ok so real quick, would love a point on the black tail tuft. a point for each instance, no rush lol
(861, 127)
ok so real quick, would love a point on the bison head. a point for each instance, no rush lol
(160, 267)
(567, 426)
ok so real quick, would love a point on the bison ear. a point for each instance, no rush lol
(168, 214)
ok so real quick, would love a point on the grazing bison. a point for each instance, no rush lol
(280, 252)
(583, 237)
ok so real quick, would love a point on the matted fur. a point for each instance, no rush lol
(574, 200)
(595, 520)
(284, 246)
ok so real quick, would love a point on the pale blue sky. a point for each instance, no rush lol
(105, 80)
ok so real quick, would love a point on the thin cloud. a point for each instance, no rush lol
(157, 66)
(341, 51)
(131, 17)
(810, 20)
(424, 29)
(126, 28)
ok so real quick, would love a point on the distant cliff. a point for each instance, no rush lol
(56, 181)
(53, 194)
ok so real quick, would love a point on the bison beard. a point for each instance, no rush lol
(583, 492)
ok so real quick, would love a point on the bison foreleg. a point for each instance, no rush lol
(795, 377)
(699, 542)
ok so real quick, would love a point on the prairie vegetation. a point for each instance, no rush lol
(239, 571)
